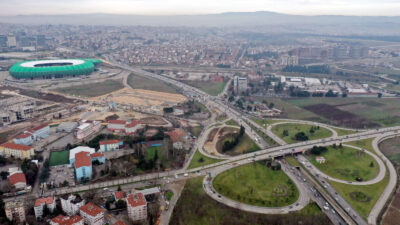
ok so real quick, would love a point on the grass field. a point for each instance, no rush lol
(150, 152)
(391, 149)
(372, 193)
(364, 144)
(293, 129)
(265, 122)
(140, 82)
(342, 132)
(348, 112)
(245, 145)
(347, 164)
(195, 207)
(59, 158)
(211, 88)
(256, 184)
(200, 160)
(232, 123)
(93, 89)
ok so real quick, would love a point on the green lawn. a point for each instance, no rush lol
(199, 160)
(342, 132)
(372, 193)
(195, 207)
(232, 122)
(293, 129)
(347, 164)
(256, 184)
(150, 152)
(265, 122)
(292, 161)
(364, 144)
(169, 195)
(245, 145)
(93, 89)
(210, 87)
(141, 82)
(59, 158)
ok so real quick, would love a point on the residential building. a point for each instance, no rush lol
(18, 180)
(66, 220)
(133, 127)
(137, 206)
(178, 137)
(15, 211)
(83, 166)
(25, 138)
(98, 156)
(116, 125)
(67, 127)
(119, 195)
(320, 159)
(92, 214)
(78, 149)
(40, 203)
(16, 109)
(71, 204)
(109, 145)
(87, 128)
(16, 150)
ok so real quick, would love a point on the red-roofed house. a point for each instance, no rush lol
(137, 207)
(177, 137)
(119, 195)
(92, 214)
(133, 127)
(119, 222)
(40, 203)
(18, 180)
(41, 131)
(116, 125)
(66, 220)
(83, 166)
(18, 151)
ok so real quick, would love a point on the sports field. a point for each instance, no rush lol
(256, 184)
(59, 158)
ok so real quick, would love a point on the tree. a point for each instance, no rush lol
(120, 204)
(285, 133)
(379, 95)
(119, 188)
(371, 164)
(271, 105)
(4, 175)
(301, 136)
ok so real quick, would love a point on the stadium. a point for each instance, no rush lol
(56, 68)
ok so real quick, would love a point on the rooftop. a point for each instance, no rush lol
(66, 220)
(82, 159)
(107, 142)
(137, 199)
(117, 121)
(47, 201)
(17, 178)
(16, 146)
(91, 209)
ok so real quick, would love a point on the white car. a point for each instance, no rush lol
(185, 175)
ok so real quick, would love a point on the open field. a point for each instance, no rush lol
(364, 144)
(91, 90)
(245, 144)
(232, 122)
(347, 164)
(195, 207)
(199, 160)
(265, 122)
(59, 158)
(361, 197)
(140, 97)
(256, 184)
(391, 149)
(351, 112)
(210, 87)
(342, 132)
(146, 83)
(293, 129)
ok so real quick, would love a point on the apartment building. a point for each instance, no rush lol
(40, 203)
(137, 206)
(71, 204)
(92, 214)
(9, 149)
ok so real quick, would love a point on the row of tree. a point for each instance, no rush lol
(230, 144)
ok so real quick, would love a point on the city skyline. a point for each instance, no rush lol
(180, 7)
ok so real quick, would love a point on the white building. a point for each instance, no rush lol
(87, 128)
(137, 207)
(41, 131)
(78, 149)
(25, 138)
(109, 145)
(92, 214)
(71, 204)
(40, 203)
(320, 159)
(15, 211)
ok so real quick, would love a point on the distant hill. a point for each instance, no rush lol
(229, 19)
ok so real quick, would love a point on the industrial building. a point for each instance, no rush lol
(16, 109)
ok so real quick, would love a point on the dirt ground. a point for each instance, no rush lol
(140, 97)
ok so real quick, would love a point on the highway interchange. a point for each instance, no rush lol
(306, 187)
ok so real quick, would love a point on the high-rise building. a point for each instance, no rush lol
(3, 41)
(239, 84)
(11, 41)
(15, 211)
(71, 204)
(137, 206)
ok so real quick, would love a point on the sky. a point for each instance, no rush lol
(189, 7)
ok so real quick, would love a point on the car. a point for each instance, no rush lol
(297, 204)
(326, 207)
(333, 211)
(219, 196)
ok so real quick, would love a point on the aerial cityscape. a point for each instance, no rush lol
(202, 113)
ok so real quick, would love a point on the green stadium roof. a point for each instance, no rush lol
(27, 69)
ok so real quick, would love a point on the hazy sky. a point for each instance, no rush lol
(173, 7)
